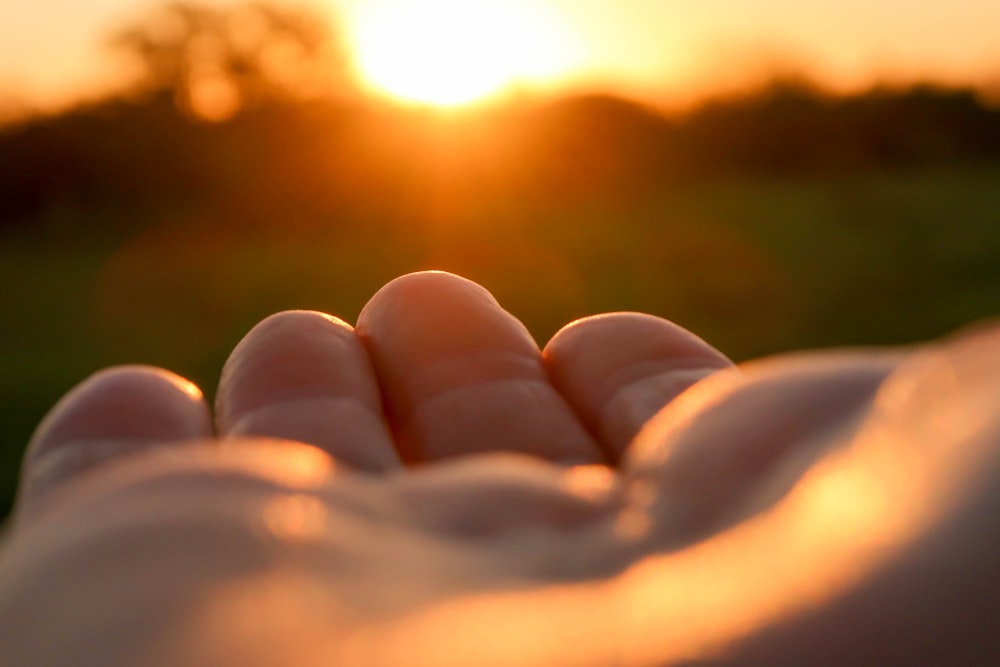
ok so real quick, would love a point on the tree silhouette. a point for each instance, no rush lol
(215, 61)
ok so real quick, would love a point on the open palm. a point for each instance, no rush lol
(430, 488)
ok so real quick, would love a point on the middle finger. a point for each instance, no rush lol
(460, 375)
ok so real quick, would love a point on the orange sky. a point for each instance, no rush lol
(51, 50)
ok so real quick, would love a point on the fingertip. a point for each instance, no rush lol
(123, 402)
(421, 286)
(276, 360)
(305, 376)
(462, 375)
(431, 331)
(113, 413)
(435, 313)
(635, 335)
(620, 369)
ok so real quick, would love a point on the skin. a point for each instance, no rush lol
(430, 488)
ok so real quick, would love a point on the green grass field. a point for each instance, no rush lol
(756, 267)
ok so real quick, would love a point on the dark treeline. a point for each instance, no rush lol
(216, 125)
(308, 159)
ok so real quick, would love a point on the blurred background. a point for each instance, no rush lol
(773, 174)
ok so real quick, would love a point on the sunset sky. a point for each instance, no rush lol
(53, 50)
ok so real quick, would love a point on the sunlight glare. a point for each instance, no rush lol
(452, 52)
(296, 518)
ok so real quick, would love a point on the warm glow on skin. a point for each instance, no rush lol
(453, 52)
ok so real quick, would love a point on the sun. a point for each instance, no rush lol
(454, 52)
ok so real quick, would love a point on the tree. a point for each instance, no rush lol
(215, 61)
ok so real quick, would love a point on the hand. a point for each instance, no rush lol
(430, 489)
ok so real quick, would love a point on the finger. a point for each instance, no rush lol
(460, 375)
(111, 415)
(305, 376)
(619, 370)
